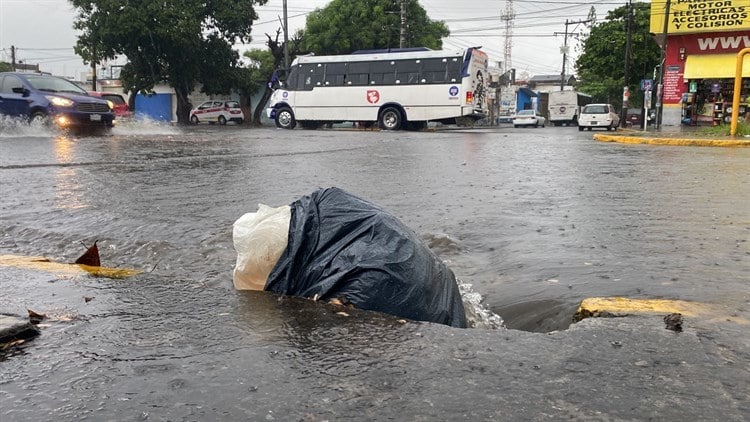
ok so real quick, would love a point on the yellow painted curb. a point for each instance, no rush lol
(40, 263)
(622, 139)
(620, 306)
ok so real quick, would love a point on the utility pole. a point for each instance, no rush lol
(626, 78)
(565, 55)
(509, 17)
(93, 68)
(660, 86)
(402, 39)
(286, 38)
(13, 58)
(564, 48)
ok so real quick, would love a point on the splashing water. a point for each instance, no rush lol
(14, 127)
(477, 314)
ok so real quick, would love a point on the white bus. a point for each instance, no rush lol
(565, 106)
(395, 88)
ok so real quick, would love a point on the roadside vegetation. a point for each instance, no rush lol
(601, 65)
(743, 130)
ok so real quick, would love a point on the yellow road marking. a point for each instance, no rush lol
(40, 263)
(620, 306)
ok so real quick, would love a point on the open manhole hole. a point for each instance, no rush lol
(538, 316)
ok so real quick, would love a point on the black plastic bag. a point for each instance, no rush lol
(343, 247)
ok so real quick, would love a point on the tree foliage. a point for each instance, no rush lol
(181, 42)
(601, 66)
(5, 67)
(348, 25)
(262, 65)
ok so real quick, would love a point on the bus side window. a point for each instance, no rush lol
(334, 74)
(318, 74)
(434, 71)
(358, 73)
(306, 73)
(383, 73)
(454, 70)
(407, 72)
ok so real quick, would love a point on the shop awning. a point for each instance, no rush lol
(714, 66)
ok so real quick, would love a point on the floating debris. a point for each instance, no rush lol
(90, 257)
(35, 317)
(674, 322)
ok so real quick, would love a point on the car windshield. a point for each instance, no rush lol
(116, 99)
(526, 113)
(54, 84)
(598, 109)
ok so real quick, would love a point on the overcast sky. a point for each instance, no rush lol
(42, 30)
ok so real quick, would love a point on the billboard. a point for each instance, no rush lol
(696, 16)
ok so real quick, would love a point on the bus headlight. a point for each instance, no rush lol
(59, 101)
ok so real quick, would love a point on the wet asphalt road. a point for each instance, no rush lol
(535, 219)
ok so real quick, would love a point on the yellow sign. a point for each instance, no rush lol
(696, 16)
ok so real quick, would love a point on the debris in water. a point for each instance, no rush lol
(90, 257)
(88, 299)
(674, 322)
(36, 318)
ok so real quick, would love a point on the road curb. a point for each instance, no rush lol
(624, 139)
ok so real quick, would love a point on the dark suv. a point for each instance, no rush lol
(41, 97)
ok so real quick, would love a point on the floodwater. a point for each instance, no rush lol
(533, 220)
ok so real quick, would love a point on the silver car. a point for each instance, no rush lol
(598, 115)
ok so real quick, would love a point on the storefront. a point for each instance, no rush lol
(703, 40)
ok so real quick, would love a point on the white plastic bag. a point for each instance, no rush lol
(259, 239)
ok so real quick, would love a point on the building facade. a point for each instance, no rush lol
(703, 39)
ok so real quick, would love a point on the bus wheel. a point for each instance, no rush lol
(285, 118)
(390, 119)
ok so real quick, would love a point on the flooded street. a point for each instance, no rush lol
(535, 220)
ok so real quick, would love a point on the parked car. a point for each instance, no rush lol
(116, 102)
(40, 97)
(598, 115)
(221, 111)
(528, 118)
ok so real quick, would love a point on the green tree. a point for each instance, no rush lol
(5, 67)
(348, 25)
(180, 42)
(270, 60)
(262, 65)
(601, 66)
